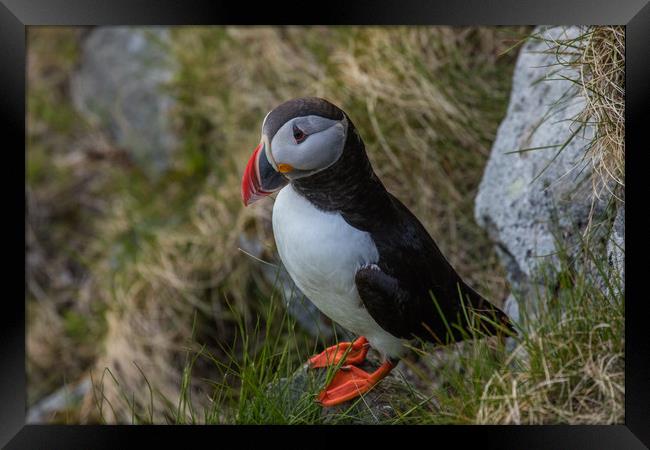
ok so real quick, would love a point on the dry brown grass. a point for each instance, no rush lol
(188, 270)
(63, 193)
(571, 372)
(602, 81)
(567, 367)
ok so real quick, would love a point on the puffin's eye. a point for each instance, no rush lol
(298, 135)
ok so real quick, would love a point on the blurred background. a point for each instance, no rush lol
(140, 255)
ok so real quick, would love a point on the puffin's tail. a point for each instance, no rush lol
(492, 320)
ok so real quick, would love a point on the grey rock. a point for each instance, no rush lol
(66, 397)
(511, 308)
(528, 199)
(119, 88)
(616, 245)
(524, 196)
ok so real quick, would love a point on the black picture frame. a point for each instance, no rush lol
(16, 15)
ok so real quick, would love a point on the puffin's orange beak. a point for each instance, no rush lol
(260, 178)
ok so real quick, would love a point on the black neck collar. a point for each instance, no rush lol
(349, 186)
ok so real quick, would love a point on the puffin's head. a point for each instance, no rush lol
(299, 138)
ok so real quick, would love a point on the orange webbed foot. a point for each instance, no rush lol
(353, 352)
(350, 382)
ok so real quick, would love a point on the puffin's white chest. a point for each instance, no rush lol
(320, 250)
(322, 254)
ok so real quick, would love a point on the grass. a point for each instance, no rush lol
(170, 316)
(570, 366)
(602, 76)
(62, 203)
(567, 367)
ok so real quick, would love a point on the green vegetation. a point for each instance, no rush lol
(139, 282)
(567, 367)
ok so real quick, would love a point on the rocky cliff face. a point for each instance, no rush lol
(536, 188)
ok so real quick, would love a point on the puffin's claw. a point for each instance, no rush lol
(353, 352)
(351, 382)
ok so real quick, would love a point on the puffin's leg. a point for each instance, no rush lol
(351, 382)
(356, 353)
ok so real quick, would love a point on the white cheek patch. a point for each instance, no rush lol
(322, 147)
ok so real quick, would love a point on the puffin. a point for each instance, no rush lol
(354, 249)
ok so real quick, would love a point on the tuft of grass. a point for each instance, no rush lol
(246, 384)
(602, 78)
(569, 366)
(270, 353)
(596, 60)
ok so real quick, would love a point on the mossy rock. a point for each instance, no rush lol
(384, 404)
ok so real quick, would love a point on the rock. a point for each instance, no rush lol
(511, 308)
(65, 398)
(118, 87)
(616, 245)
(379, 405)
(528, 199)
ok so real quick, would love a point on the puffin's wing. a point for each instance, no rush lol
(413, 290)
(407, 316)
(385, 301)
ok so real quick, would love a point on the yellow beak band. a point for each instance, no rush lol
(285, 168)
